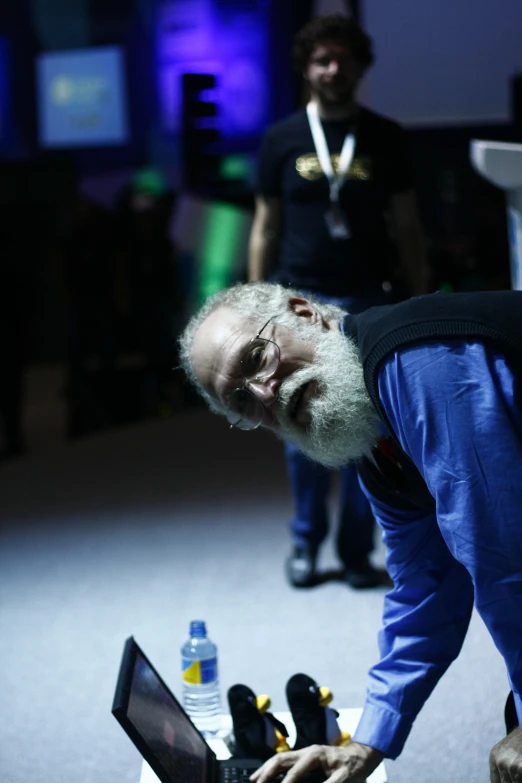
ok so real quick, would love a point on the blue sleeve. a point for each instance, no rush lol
(454, 410)
(425, 619)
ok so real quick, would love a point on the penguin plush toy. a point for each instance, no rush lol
(257, 733)
(315, 722)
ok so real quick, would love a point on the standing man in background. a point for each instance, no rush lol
(336, 214)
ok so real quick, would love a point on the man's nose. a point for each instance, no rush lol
(266, 392)
(333, 67)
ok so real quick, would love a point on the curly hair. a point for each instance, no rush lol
(337, 28)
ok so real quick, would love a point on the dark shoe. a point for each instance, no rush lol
(363, 575)
(300, 568)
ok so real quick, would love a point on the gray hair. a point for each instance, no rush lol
(255, 301)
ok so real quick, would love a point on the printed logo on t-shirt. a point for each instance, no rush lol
(308, 167)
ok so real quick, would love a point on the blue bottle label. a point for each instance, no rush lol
(199, 672)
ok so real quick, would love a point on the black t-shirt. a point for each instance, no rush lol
(288, 168)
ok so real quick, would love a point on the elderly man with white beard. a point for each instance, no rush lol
(425, 396)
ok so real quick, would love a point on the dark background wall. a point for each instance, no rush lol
(464, 217)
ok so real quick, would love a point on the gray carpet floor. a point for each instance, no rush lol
(138, 531)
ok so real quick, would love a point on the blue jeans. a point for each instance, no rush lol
(310, 484)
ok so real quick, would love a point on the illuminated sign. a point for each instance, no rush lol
(194, 36)
(82, 98)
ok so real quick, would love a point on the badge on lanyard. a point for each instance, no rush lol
(336, 220)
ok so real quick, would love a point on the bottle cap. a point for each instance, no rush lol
(198, 629)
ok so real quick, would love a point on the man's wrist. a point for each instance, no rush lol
(373, 754)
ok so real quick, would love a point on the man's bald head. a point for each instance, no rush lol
(216, 337)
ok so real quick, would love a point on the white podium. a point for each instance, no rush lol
(347, 720)
(501, 163)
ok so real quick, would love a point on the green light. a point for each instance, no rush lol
(222, 230)
(234, 167)
(150, 181)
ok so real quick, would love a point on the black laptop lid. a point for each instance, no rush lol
(157, 724)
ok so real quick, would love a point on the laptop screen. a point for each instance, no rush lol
(156, 723)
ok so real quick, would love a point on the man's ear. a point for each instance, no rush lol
(304, 309)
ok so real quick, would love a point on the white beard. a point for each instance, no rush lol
(343, 422)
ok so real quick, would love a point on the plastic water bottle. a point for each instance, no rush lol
(201, 698)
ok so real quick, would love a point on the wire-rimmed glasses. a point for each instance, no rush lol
(258, 363)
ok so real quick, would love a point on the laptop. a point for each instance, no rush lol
(162, 731)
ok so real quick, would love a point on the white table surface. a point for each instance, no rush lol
(347, 720)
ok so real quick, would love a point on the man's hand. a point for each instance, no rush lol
(350, 764)
(505, 759)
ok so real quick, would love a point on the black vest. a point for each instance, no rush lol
(493, 317)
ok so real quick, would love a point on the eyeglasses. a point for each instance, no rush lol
(259, 362)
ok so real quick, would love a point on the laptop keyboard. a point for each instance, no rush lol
(239, 775)
(235, 775)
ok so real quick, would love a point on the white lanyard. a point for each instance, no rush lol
(323, 153)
